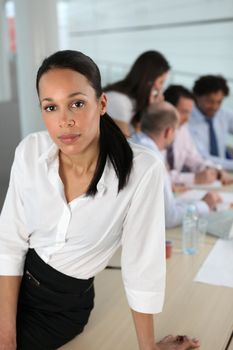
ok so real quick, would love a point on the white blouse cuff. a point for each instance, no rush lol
(145, 302)
(11, 265)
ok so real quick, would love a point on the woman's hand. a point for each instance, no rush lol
(206, 176)
(155, 96)
(180, 342)
(145, 332)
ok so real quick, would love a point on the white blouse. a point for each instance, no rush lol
(79, 238)
(120, 106)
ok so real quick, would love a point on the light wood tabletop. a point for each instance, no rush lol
(197, 309)
(202, 310)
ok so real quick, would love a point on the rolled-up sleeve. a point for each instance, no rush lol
(143, 244)
(13, 232)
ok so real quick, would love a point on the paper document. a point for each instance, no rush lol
(217, 269)
(220, 224)
(211, 186)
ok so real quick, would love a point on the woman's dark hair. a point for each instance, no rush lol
(113, 144)
(138, 82)
(174, 92)
(210, 83)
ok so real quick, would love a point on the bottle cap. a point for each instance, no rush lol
(168, 249)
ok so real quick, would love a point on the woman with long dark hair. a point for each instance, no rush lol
(77, 192)
(142, 86)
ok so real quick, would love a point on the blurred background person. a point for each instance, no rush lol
(186, 164)
(158, 128)
(143, 85)
(210, 123)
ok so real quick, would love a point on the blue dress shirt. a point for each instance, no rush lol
(222, 125)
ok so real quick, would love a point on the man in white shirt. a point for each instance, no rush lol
(158, 126)
(189, 167)
(209, 123)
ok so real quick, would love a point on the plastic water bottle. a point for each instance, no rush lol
(190, 234)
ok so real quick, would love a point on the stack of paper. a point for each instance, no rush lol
(211, 186)
(218, 266)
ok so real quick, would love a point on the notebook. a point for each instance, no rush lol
(220, 224)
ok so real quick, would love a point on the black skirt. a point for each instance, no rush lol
(53, 308)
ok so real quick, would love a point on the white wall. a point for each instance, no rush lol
(196, 35)
(36, 38)
(10, 131)
(5, 89)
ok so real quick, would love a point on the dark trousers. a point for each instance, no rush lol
(53, 308)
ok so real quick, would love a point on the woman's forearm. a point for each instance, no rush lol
(9, 291)
(145, 330)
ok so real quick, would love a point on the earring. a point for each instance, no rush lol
(154, 92)
(71, 123)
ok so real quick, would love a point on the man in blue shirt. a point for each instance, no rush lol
(158, 127)
(209, 123)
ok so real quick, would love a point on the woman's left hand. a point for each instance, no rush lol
(180, 342)
(155, 97)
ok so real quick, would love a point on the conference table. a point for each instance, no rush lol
(197, 309)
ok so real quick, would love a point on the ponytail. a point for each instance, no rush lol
(113, 145)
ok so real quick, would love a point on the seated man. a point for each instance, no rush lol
(188, 166)
(158, 127)
(209, 123)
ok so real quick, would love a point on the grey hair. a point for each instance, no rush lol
(159, 117)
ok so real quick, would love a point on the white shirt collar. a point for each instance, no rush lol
(200, 115)
(50, 156)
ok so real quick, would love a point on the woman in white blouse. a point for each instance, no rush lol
(76, 193)
(141, 87)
